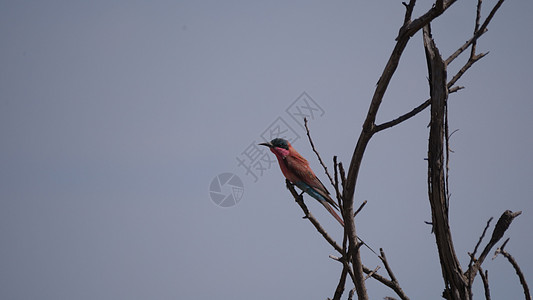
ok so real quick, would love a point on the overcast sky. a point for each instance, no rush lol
(116, 117)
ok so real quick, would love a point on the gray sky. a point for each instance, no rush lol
(115, 116)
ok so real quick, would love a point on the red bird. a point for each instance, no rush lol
(296, 169)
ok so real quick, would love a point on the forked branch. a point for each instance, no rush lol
(479, 30)
(502, 225)
(457, 283)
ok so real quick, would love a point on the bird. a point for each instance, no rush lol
(296, 169)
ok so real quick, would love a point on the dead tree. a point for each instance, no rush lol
(457, 282)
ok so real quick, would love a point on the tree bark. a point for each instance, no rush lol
(455, 284)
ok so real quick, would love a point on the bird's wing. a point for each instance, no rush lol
(300, 168)
(324, 192)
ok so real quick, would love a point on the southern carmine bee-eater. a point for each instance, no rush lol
(296, 169)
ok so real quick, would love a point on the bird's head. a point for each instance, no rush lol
(278, 146)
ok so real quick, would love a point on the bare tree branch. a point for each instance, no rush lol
(412, 113)
(408, 11)
(378, 277)
(478, 32)
(343, 175)
(372, 273)
(387, 266)
(413, 27)
(389, 283)
(502, 225)
(350, 295)
(340, 286)
(345, 264)
(360, 208)
(476, 28)
(473, 255)
(517, 269)
(317, 154)
(336, 183)
(308, 215)
(407, 31)
(455, 285)
(480, 240)
(467, 66)
(485, 279)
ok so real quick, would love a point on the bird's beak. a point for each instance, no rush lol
(269, 145)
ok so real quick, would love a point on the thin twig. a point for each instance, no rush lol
(372, 273)
(390, 284)
(482, 29)
(421, 107)
(317, 154)
(473, 255)
(485, 279)
(465, 68)
(340, 286)
(453, 133)
(380, 278)
(360, 208)
(408, 11)
(464, 46)
(412, 113)
(493, 11)
(336, 183)
(476, 28)
(308, 215)
(387, 266)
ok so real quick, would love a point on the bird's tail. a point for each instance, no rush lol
(332, 212)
